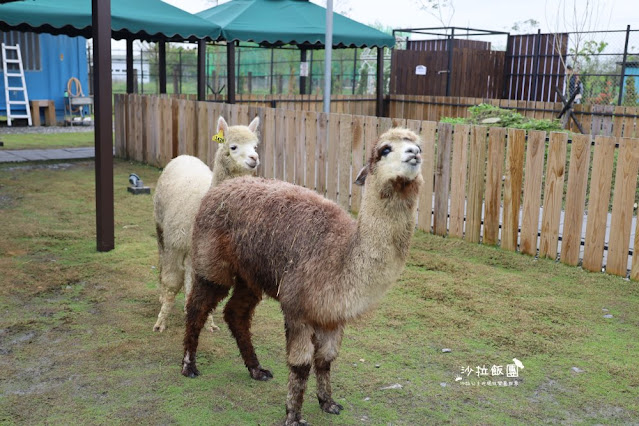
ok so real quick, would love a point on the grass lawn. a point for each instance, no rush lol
(77, 343)
(47, 140)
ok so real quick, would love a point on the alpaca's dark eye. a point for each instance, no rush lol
(233, 147)
(387, 150)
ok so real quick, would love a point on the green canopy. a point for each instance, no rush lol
(277, 22)
(150, 20)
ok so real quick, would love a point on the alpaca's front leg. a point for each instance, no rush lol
(188, 284)
(299, 350)
(327, 344)
(204, 297)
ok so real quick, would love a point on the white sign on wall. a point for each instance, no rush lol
(303, 69)
(420, 70)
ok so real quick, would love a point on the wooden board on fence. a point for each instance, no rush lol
(553, 195)
(617, 122)
(212, 115)
(428, 136)
(345, 154)
(152, 144)
(357, 155)
(575, 199)
(494, 166)
(534, 172)
(280, 143)
(300, 147)
(476, 168)
(600, 186)
(371, 135)
(622, 206)
(597, 120)
(118, 115)
(145, 106)
(442, 178)
(311, 146)
(332, 158)
(203, 136)
(458, 180)
(267, 141)
(166, 132)
(322, 151)
(190, 128)
(291, 139)
(139, 129)
(512, 188)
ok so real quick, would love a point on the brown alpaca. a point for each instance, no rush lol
(269, 237)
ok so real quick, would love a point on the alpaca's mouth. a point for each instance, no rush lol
(251, 164)
(414, 161)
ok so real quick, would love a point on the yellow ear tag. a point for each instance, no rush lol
(219, 138)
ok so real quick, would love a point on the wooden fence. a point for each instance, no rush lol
(481, 184)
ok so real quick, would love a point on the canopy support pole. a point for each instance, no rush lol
(101, 20)
(379, 105)
(230, 72)
(162, 65)
(328, 46)
(201, 70)
(129, 64)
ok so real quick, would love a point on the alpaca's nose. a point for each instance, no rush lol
(253, 157)
(414, 155)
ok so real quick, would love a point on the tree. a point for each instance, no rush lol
(362, 86)
(442, 10)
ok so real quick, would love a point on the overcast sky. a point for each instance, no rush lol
(498, 15)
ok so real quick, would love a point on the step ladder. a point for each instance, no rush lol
(14, 82)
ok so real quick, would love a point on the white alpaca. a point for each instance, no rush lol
(178, 194)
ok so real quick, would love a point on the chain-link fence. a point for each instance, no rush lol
(259, 71)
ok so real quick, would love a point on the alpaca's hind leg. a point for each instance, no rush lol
(238, 314)
(188, 284)
(299, 351)
(327, 344)
(171, 281)
(204, 297)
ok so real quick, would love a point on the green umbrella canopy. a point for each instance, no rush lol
(150, 20)
(277, 22)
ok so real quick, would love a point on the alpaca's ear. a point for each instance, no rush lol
(361, 176)
(253, 126)
(221, 125)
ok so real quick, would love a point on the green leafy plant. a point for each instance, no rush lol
(486, 114)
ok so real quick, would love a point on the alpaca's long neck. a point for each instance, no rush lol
(380, 247)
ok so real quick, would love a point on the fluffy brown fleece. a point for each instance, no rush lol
(264, 236)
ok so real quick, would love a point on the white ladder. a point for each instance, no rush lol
(14, 76)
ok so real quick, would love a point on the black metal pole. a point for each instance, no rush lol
(101, 29)
(354, 69)
(201, 70)
(129, 64)
(302, 78)
(536, 69)
(272, 58)
(379, 107)
(451, 43)
(230, 72)
(623, 66)
(310, 75)
(162, 66)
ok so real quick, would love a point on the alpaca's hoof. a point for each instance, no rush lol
(213, 328)
(189, 370)
(331, 407)
(260, 373)
(295, 422)
(159, 327)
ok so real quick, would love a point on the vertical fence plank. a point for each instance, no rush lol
(458, 181)
(166, 133)
(300, 147)
(600, 186)
(344, 153)
(372, 131)
(145, 127)
(153, 136)
(357, 156)
(179, 129)
(532, 191)
(442, 178)
(512, 188)
(322, 150)
(553, 195)
(190, 129)
(280, 144)
(118, 125)
(139, 128)
(622, 206)
(575, 199)
(267, 140)
(203, 135)
(311, 146)
(476, 168)
(496, 141)
(291, 139)
(332, 158)
(212, 115)
(428, 169)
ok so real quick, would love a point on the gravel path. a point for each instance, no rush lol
(5, 130)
